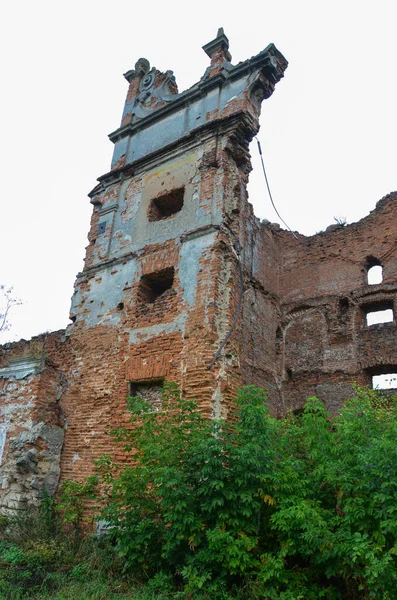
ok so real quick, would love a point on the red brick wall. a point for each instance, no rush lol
(324, 288)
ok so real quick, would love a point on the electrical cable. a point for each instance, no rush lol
(270, 194)
(240, 300)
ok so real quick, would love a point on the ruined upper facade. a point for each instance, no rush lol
(176, 264)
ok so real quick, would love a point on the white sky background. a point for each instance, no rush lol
(328, 133)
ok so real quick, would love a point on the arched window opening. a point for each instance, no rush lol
(374, 271)
(375, 275)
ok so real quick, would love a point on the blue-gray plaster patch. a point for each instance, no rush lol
(232, 90)
(108, 289)
(170, 129)
(196, 114)
(21, 368)
(129, 105)
(120, 148)
(125, 222)
(189, 264)
(145, 333)
(132, 228)
(201, 216)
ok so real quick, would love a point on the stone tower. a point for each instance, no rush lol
(163, 276)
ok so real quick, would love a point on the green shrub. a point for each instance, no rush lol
(72, 502)
(39, 559)
(302, 507)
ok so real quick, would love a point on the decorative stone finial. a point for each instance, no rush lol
(220, 43)
(142, 66)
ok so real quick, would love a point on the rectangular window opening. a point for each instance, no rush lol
(154, 285)
(167, 205)
(385, 381)
(376, 314)
(379, 316)
(149, 390)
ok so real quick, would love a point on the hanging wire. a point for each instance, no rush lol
(240, 300)
(270, 194)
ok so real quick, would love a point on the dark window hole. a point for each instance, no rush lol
(343, 306)
(120, 306)
(298, 412)
(154, 285)
(167, 205)
(149, 390)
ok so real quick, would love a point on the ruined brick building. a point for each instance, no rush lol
(175, 259)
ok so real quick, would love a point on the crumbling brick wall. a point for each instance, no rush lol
(31, 422)
(177, 265)
(325, 295)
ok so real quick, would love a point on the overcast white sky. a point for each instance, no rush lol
(328, 133)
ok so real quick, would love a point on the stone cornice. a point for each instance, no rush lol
(270, 61)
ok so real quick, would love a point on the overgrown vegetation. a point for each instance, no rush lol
(297, 508)
(40, 559)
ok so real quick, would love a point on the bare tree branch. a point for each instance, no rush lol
(7, 302)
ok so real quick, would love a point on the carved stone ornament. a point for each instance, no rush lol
(147, 81)
(142, 65)
(153, 93)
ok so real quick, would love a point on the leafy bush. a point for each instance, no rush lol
(39, 558)
(72, 501)
(302, 507)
